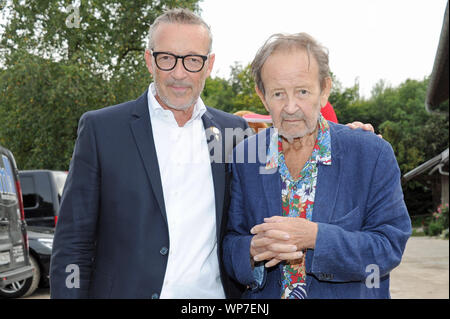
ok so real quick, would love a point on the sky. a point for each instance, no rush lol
(368, 40)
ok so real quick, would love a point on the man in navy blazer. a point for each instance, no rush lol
(317, 209)
(143, 209)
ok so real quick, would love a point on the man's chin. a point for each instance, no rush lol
(292, 133)
(290, 136)
(181, 105)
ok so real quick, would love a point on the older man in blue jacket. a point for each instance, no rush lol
(317, 209)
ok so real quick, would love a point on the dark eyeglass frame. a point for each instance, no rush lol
(182, 57)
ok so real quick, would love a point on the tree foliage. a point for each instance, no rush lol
(40, 109)
(54, 69)
(235, 94)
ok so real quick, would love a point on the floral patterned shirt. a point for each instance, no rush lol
(297, 198)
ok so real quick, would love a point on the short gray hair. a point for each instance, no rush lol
(286, 42)
(181, 16)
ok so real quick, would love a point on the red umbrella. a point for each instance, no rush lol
(257, 118)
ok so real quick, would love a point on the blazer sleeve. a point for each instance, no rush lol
(349, 255)
(236, 244)
(75, 235)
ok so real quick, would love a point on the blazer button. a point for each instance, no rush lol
(155, 296)
(164, 251)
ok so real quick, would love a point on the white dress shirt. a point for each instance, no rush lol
(183, 157)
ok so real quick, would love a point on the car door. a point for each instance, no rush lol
(13, 241)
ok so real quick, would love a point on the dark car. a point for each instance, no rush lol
(42, 191)
(40, 247)
(41, 243)
(14, 255)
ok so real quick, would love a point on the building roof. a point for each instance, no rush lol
(430, 166)
(439, 83)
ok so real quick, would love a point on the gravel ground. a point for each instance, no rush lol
(423, 272)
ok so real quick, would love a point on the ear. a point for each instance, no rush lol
(148, 61)
(325, 94)
(211, 59)
(262, 97)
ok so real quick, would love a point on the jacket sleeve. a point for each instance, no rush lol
(236, 245)
(350, 255)
(75, 236)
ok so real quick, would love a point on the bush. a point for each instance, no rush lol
(439, 222)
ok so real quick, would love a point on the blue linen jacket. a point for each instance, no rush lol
(363, 222)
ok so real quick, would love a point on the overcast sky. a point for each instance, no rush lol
(368, 40)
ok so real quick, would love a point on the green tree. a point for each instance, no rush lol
(243, 86)
(218, 94)
(41, 102)
(54, 69)
(345, 101)
(107, 36)
(234, 94)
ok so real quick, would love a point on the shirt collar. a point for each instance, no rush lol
(156, 110)
(322, 147)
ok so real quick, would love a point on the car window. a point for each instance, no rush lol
(7, 187)
(43, 187)
(36, 192)
(28, 192)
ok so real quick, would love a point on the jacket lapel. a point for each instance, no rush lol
(218, 168)
(143, 136)
(272, 193)
(270, 179)
(328, 178)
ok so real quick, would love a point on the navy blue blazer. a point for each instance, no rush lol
(363, 223)
(112, 223)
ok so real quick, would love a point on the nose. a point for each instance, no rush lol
(179, 72)
(291, 106)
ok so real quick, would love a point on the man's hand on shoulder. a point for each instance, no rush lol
(366, 127)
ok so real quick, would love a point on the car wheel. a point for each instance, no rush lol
(23, 288)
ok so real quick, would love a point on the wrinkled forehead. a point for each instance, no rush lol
(283, 66)
(301, 54)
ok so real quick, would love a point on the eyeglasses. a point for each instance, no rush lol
(167, 61)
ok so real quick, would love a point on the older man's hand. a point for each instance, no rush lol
(282, 238)
(272, 245)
